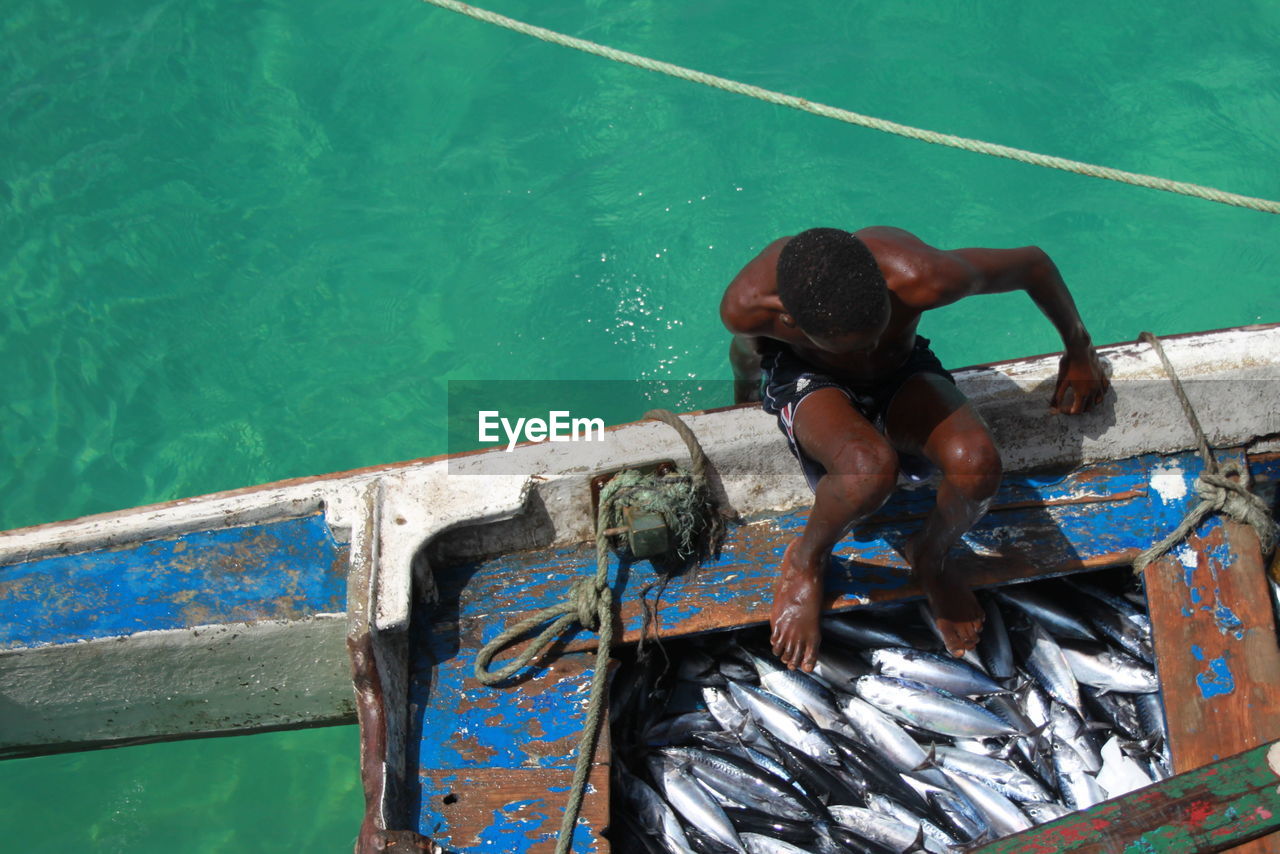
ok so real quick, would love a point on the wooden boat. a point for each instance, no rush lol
(228, 613)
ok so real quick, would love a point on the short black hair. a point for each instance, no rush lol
(829, 281)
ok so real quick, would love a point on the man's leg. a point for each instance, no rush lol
(930, 417)
(862, 469)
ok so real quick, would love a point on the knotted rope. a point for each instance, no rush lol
(1222, 489)
(685, 504)
(781, 99)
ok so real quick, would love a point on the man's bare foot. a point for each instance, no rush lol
(957, 612)
(797, 607)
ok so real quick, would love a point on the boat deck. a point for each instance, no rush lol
(493, 764)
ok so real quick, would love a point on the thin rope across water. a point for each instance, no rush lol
(975, 145)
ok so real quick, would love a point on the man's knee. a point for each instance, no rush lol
(865, 473)
(971, 462)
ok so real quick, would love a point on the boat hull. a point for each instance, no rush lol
(195, 666)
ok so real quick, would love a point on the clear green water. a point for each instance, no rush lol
(244, 241)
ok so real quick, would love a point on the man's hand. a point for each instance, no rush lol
(1081, 381)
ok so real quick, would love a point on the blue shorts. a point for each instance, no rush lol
(788, 379)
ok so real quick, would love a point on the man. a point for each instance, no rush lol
(827, 319)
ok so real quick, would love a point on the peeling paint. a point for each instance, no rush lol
(1226, 620)
(1169, 482)
(279, 570)
(1217, 680)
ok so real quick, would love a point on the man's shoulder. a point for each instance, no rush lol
(889, 242)
(921, 275)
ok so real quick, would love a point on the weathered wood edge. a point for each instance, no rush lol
(1209, 809)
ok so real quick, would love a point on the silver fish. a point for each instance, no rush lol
(729, 743)
(1047, 611)
(1079, 789)
(698, 667)
(885, 830)
(838, 669)
(993, 644)
(999, 775)
(1132, 634)
(1036, 703)
(888, 806)
(799, 689)
(721, 706)
(882, 730)
(866, 632)
(1119, 710)
(680, 728)
(964, 818)
(1042, 812)
(758, 844)
(1072, 729)
(983, 746)
(1119, 604)
(655, 816)
(942, 671)
(742, 782)
(1151, 715)
(1001, 814)
(1108, 669)
(786, 722)
(881, 734)
(1032, 745)
(1044, 659)
(688, 797)
(931, 708)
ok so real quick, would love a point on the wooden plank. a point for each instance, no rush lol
(515, 810)
(287, 570)
(494, 763)
(1040, 525)
(1215, 641)
(1208, 809)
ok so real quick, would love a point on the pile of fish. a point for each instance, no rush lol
(891, 744)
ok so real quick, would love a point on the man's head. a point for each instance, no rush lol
(830, 284)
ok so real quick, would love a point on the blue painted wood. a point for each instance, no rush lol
(1100, 516)
(1215, 639)
(280, 570)
(495, 764)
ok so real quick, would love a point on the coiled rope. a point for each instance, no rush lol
(685, 504)
(1222, 489)
(974, 145)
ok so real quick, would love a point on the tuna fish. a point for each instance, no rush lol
(931, 708)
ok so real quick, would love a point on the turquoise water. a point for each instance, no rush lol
(245, 241)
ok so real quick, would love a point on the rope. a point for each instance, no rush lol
(781, 99)
(1222, 489)
(590, 600)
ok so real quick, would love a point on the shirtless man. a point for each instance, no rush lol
(828, 319)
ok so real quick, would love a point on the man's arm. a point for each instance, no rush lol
(744, 357)
(749, 310)
(965, 272)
